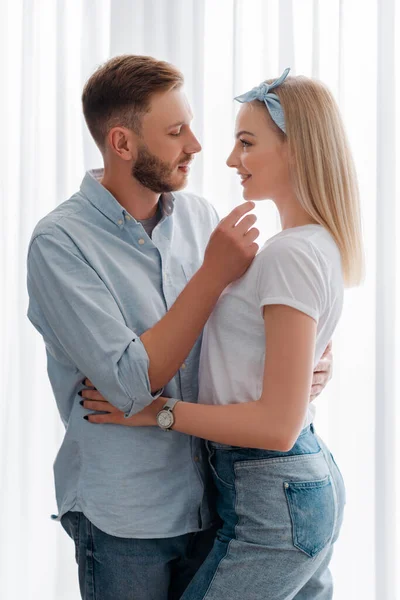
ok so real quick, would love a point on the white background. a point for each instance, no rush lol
(48, 48)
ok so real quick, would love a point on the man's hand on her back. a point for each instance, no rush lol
(231, 248)
(322, 373)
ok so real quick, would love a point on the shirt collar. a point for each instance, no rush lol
(107, 204)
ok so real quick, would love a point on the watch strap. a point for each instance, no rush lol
(170, 404)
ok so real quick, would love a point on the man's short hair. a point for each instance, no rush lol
(120, 91)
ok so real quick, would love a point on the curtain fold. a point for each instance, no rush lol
(386, 307)
(47, 51)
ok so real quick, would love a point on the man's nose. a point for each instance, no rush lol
(193, 146)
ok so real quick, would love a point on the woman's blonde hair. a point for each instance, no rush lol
(323, 172)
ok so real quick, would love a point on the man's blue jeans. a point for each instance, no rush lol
(113, 568)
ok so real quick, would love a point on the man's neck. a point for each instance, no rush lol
(140, 202)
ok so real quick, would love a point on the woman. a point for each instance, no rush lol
(280, 493)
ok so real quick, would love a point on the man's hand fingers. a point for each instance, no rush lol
(316, 390)
(322, 366)
(322, 373)
(318, 379)
(237, 213)
(88, 383)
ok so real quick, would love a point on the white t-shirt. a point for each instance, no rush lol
(298, 267)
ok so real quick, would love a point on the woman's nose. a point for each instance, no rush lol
(231, 161)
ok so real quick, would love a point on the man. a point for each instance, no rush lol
(106, 270)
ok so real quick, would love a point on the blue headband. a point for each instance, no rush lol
(272, 102)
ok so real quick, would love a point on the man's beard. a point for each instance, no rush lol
(155, 174)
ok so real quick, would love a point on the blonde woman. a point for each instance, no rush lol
(280, 494)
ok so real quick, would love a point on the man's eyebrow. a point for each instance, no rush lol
(239, 133)
(179, 123)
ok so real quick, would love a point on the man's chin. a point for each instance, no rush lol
(179, 183)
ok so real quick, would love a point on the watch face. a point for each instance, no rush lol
(165, 419)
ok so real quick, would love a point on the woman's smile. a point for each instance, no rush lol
(244, 177)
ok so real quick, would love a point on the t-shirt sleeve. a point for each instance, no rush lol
(292, 273)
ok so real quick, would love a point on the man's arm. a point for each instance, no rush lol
(83, 316)
(69, 302)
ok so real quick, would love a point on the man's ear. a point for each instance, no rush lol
(122, 143)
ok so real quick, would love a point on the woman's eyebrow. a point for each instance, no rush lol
(246, 132)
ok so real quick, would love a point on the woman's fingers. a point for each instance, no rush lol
(114, 418)
(245, 224)
(108, 418)
(92, 395)
(101, 406)
(252, 234)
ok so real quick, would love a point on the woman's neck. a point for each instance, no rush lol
(292, 214)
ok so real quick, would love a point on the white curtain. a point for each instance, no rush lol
(48, 48)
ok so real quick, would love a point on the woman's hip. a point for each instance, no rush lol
(280, 499)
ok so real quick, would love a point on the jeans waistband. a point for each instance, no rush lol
(309, 428)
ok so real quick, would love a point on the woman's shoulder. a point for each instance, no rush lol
(303, 264)
(311, 243)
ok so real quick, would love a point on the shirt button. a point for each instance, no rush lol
(120, 222)
(127, 217)
(141, 241)
(183, 366)
(196, 459)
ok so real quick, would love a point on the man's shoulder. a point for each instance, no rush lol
(50, 224)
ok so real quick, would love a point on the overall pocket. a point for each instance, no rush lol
(312, 512)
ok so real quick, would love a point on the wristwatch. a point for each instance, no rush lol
(165, 418)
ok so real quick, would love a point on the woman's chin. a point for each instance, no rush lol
(246, 195)
(249, 196)
(252, 196)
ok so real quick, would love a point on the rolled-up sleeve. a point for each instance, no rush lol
(79, 314)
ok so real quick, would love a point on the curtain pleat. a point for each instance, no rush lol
(386, 307)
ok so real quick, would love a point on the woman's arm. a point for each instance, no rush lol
(272, 422)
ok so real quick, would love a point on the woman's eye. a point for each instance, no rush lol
(244, 143)
(176, 134)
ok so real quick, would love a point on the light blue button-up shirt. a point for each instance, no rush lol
(96, 282)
